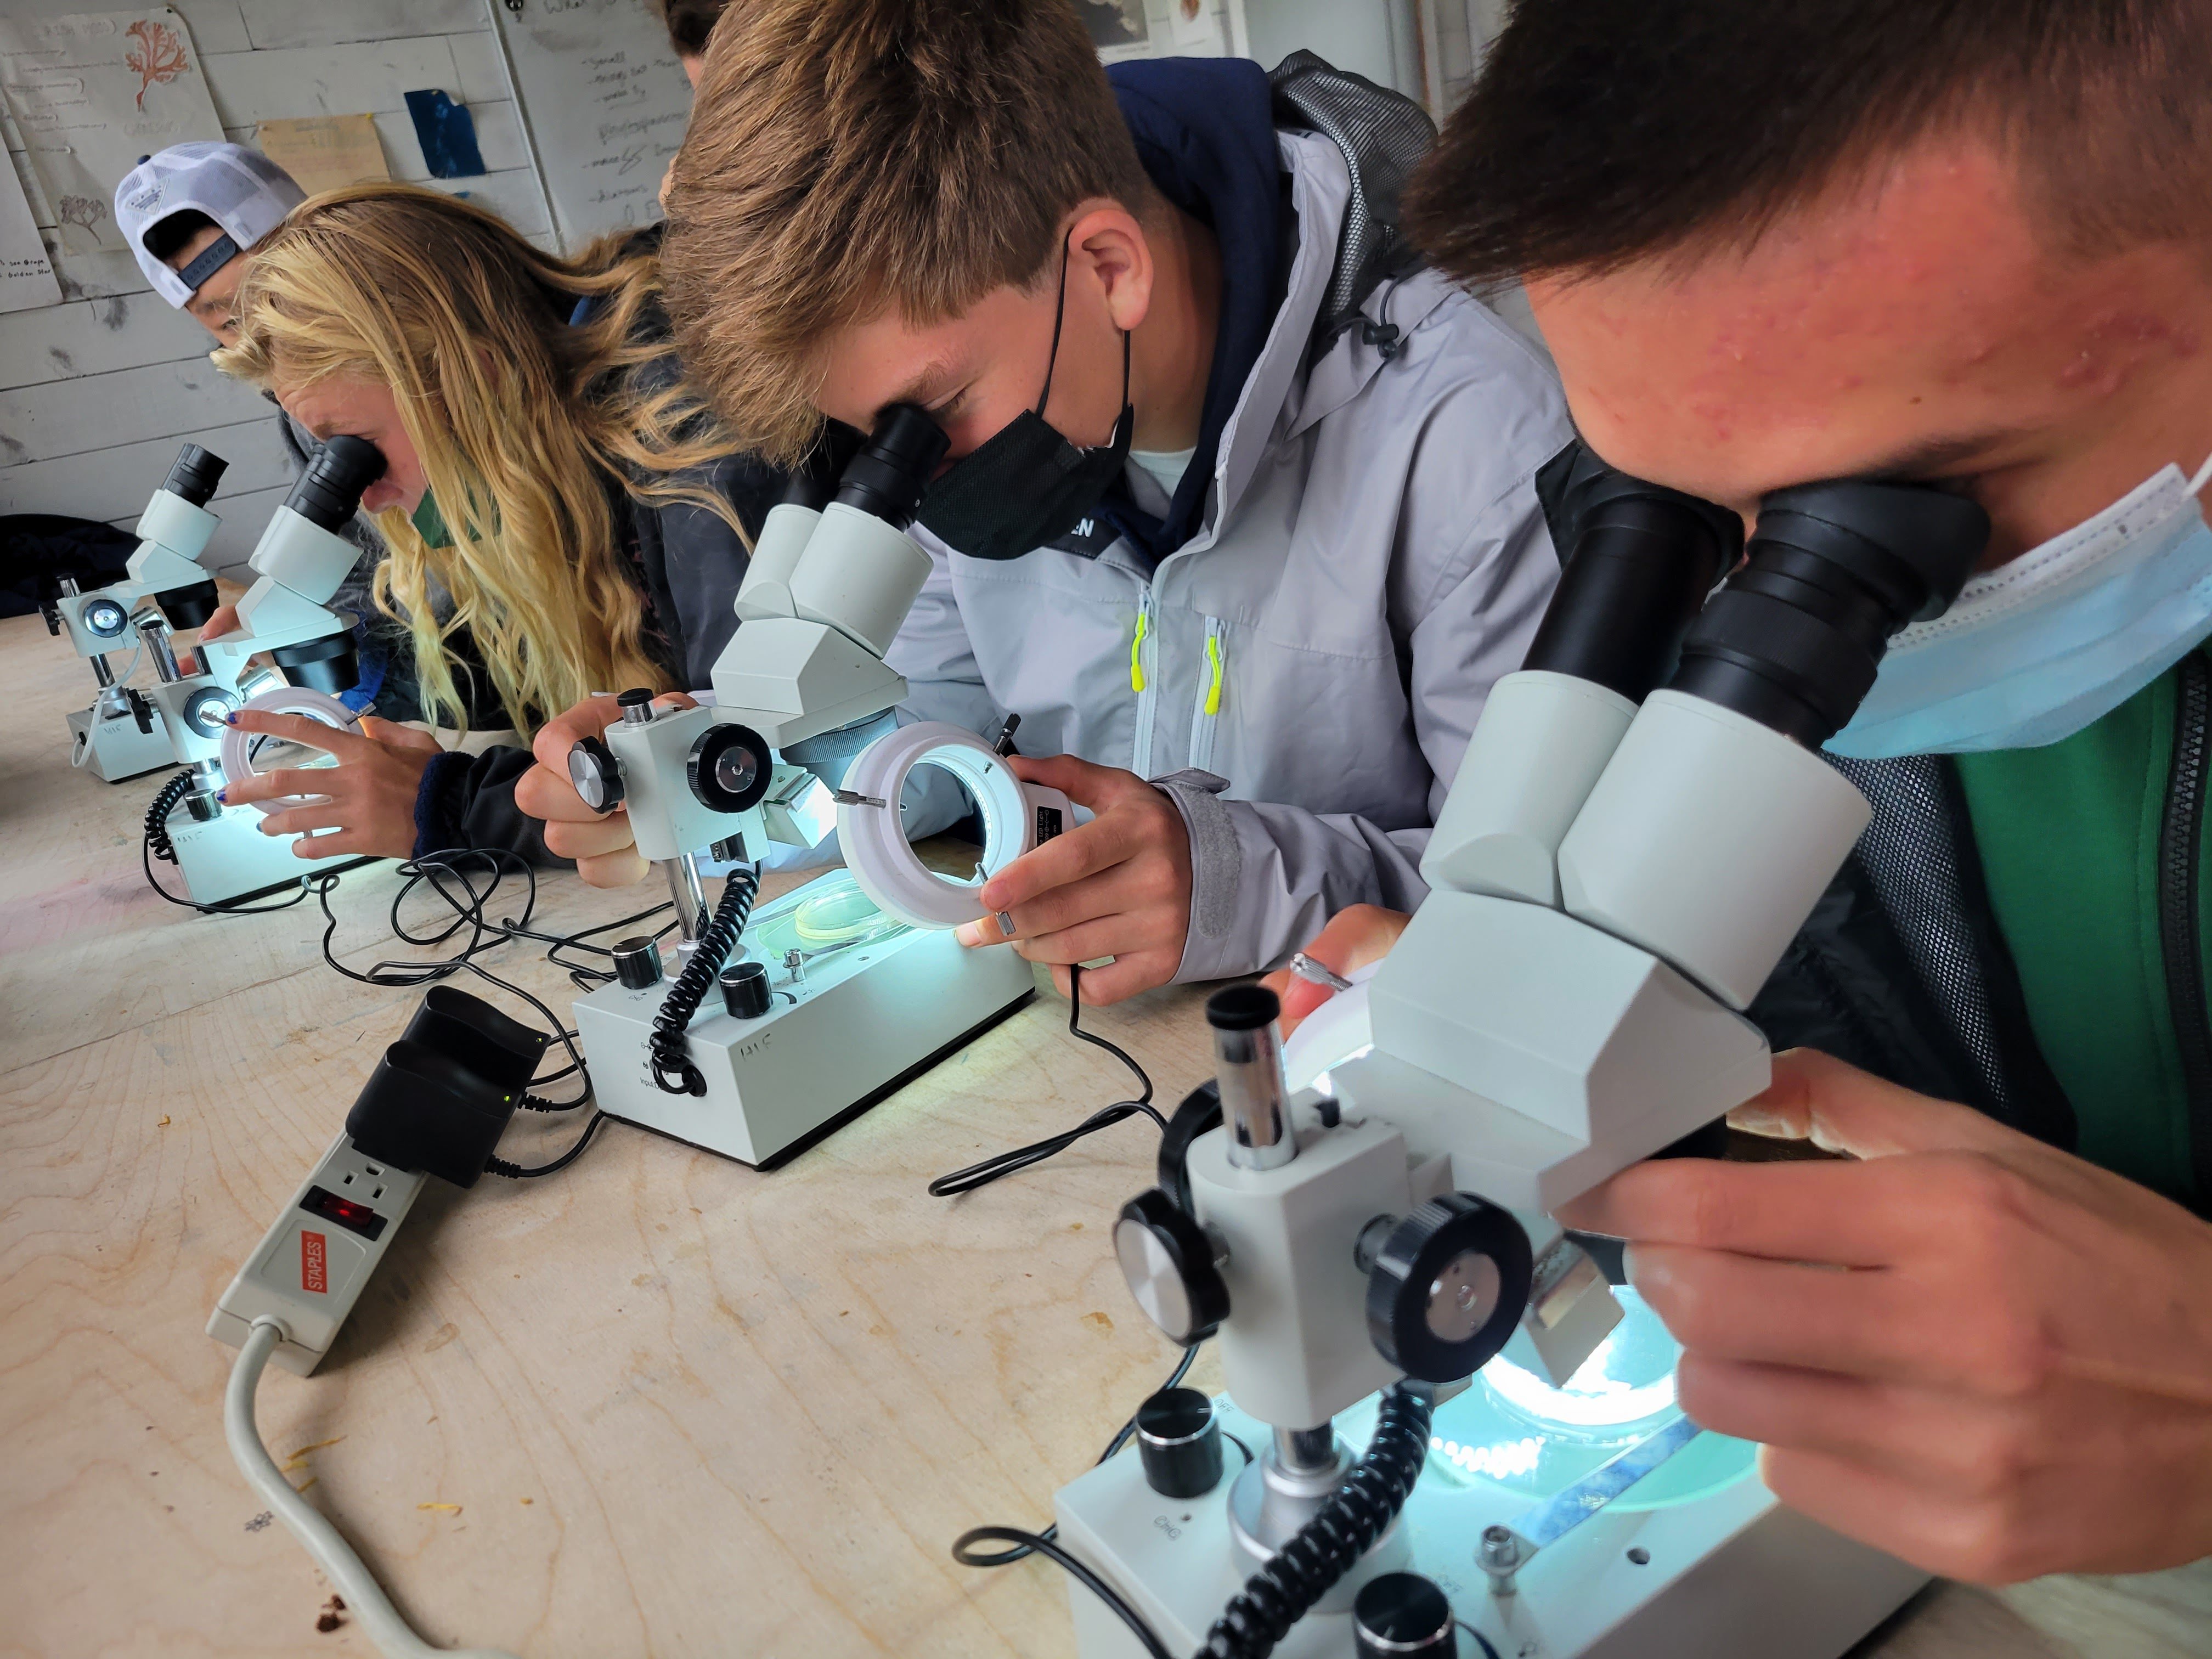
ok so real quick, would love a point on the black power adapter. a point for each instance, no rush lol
(441, 1096)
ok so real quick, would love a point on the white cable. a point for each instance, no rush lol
(363, 1595)
(2203, 476)
(237, 753)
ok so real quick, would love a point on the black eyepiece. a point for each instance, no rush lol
(887, 477)
(329, 663)
(196, 474)
(813, 482)
(330, 490)
(1834, 569)
(1639, 559)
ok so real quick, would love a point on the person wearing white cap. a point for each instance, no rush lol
(191, 213)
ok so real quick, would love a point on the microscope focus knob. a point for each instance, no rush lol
(596, 774)
(105, 618)
(1169, 1262)
(1448, 1287)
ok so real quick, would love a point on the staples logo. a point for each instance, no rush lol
(314, 1263)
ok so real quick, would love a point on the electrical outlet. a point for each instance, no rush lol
(309, 1269)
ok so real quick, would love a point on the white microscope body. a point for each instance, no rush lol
(300, 562)
(808, 1039)
(1611, 885)
(121, 734)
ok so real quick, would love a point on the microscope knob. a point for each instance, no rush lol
(1168, 1260)
(1448, 1287)
(637, 963)
(105, 618)
(596, 774)
(1401, 1613)
(729, 768)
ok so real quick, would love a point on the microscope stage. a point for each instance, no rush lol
(1694, 1561)
(876, 1005)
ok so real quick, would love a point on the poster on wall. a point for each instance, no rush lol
(322, 152)
(90, 93)
(1121, 29)
(27, 276)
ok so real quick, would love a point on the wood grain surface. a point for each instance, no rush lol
(657, 1405)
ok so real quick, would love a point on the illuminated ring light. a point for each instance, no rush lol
(237, 760)
(875, 844)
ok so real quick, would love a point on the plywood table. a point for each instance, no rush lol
(659, 1404)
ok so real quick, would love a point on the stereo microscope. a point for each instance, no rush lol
(300, 562)
(121, 734)
(843, 989)
(1641, 825)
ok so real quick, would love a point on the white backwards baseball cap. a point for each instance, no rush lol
(246, 193)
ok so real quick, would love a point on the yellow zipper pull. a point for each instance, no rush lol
(1136, 649)
(1214, 656)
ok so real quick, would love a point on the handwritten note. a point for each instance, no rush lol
(27, 276)
(92, 93)
(322, 152)
(607, 106)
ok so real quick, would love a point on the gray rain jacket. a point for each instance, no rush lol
(1301, 675)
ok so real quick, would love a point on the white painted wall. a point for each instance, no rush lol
(97, 394)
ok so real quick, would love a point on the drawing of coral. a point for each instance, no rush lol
(158, 57)
(83, 211)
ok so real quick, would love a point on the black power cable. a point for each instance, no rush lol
(154, 843)
(670, 1044)
(1342, 1530)
(1021, 1158)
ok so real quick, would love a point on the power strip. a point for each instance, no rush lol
(309, 1269)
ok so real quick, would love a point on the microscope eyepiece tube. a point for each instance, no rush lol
(1795, 639)
(1248, 1063)
(329, 491)
(1638, 561)
(886, 478)
(196, 474)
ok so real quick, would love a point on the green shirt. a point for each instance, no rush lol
(2069, 838)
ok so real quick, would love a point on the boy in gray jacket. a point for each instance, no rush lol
(1239, 516)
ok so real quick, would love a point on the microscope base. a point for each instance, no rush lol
(227, 858)
(111, 747)
(1726, 1572)
(862, 1023)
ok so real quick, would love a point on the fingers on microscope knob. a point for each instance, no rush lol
(1168, 1259)
(729, 768)
(1447, 1288)
(592, 770)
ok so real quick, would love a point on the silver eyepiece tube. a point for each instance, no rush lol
(690, 896)
(1248, 1067)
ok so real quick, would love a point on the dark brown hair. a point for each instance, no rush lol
(690, 23)
(850, 158)
(1602, 131)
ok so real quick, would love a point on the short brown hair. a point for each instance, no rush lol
(1605, 132)
(850, 157)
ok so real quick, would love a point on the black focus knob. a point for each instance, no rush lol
(1179, 1442)
(1448, 1287)
(141, 706)
(729, 768)
(744, 989)
(203, 806)
(1168, 1260)
(637, 963)
(596, 774)
(1402, 1614)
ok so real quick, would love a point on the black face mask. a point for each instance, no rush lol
(1027, 486)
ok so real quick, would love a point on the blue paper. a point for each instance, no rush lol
(447, 133)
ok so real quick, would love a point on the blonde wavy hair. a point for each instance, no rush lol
(517, 417)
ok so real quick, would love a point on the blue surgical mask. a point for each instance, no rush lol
(2051, 642)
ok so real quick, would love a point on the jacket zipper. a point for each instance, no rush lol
(2179, 838)
(1206, 716)
(1141, 681)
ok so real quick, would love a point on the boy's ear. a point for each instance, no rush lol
(1108, 240)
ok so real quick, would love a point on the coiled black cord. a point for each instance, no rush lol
(671, 1058)
(1324, 1550)
(157, 816)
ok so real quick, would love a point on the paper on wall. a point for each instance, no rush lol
(91, 93)
(322, 152)
(27, 277)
